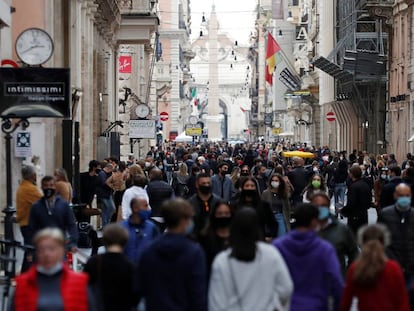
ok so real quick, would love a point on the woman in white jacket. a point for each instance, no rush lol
(250, 275)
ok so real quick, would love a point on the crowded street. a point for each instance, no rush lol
(205, 155)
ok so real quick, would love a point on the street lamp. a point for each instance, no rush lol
(8, 127)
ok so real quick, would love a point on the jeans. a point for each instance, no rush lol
(108, 208)
(280, 219)
(169, 175)
(339, 192)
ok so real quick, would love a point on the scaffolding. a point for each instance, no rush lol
(358, 63)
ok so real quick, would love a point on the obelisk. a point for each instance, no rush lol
(213, 117)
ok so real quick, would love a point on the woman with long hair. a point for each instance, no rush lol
(236, 271)
(376, 282)
(133, 171)
(117, 182)
(277, 196)
(235, 176)
(249, 196)
(215, 236)
(179, 181)
(63, 186)
(316, 184)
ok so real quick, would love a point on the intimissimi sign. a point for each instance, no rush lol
(34, 92)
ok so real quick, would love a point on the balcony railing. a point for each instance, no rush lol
(362, 4)
(137, 6)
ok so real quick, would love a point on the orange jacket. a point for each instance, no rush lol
(26, 195)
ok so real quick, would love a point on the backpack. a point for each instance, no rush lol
(84, 241)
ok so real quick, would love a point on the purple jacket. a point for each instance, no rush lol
(314, 269)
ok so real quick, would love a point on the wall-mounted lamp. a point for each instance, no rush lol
(290, 17)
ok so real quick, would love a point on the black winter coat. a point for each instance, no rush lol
(401, 226)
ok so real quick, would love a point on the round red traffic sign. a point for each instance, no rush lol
(164, 116)
(330, 116)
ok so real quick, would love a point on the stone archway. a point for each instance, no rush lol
(202, 113)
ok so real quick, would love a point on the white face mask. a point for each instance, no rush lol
(57, 268)
(315, 169)
(147, 164)
(275, 184)
(407, 166)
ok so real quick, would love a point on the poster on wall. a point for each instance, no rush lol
(125, 64)
(23, 146)
(34, 92)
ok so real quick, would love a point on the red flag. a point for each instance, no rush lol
(271, 60)
(242, 109)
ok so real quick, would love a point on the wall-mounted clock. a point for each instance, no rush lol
(142, 111)
(34, 46)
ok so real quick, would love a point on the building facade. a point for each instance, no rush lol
(87, 36)
(400, 115)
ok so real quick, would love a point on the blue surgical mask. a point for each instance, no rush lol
(404, 203)
(144, 214)
(190, 227)
(323, 212)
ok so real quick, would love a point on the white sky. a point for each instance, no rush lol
(236, 17)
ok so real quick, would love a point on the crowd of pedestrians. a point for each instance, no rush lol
(220, 227)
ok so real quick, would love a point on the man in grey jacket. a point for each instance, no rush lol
(221, 184)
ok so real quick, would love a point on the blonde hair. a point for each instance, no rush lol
(53, 233)
(183, 169)
(61, 172)
(136, 170)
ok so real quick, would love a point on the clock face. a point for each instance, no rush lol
(142, 111)
(34, 46)
(193, 119)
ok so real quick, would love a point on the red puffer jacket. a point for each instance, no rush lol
(73, 288)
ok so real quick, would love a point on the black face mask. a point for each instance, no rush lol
(249, 193)
(97, 171)
(48, 193)
(204, 189)
(221, 222)
(244, 174)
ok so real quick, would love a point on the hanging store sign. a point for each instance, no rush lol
(125, 64)
(193, 130)
(142, 129)
(34, 92)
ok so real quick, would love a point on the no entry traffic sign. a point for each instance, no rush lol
(164, 116)
(330, 116)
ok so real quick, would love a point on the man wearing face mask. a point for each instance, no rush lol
(399, 218)
(335, 232)
(141, 231)
(53, 211)
(221, 184)
(203, 201)
(172, 272)
(387, 193)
